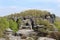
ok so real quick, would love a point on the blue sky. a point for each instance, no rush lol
(11, 6)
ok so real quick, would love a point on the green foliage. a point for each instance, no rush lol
(13, 25)
(35, 13)
(4, 24)
(57, 24)
(32, 12)
(42, 22)
(19, 22)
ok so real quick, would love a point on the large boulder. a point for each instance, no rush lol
(25, 32)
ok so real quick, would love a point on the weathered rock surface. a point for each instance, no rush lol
(45, 38)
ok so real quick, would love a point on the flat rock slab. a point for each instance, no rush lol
(45, 38)
(2, 38)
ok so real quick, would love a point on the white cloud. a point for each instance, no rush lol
(58, 0)
(43, 0)
(12, 9)
(54, 1)
(16, 8)
(34, 0)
